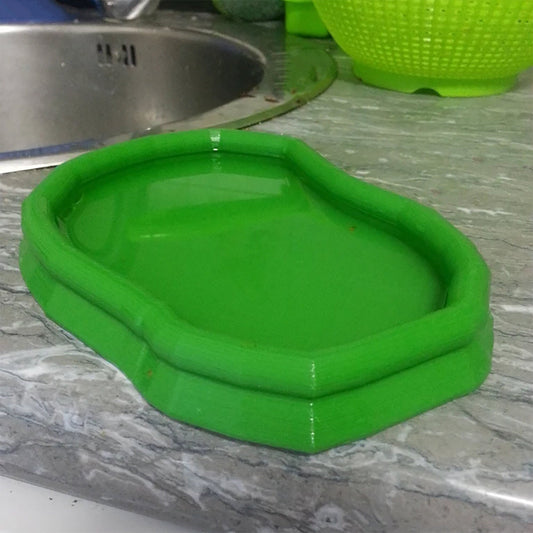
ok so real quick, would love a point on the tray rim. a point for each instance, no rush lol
(297, 374)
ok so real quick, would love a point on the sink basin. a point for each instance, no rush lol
(91, 81)
(68, 88)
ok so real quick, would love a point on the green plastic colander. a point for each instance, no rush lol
(454, 47)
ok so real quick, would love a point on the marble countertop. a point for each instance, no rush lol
(71, 421)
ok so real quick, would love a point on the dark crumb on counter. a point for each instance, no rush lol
(272, 99)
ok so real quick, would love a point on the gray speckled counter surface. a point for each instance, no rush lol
(71, 421)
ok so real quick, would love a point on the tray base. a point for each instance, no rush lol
(298, 424)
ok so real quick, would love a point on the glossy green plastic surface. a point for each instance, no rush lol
(302, 18)
(247, 286)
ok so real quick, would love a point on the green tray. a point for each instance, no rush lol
(247, 286)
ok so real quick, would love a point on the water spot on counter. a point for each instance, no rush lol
(362, 172)
(404, 433)
(383, 160)
(490, 212)
(349, 151)
(521, 309)
(330, 517)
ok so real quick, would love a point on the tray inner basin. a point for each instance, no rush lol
(237, 245)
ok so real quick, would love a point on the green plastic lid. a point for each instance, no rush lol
(302, 18)
(247, 286)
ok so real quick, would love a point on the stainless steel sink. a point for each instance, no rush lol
(69, 88)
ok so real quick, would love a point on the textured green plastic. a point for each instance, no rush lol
(302, 18)
(454, 47)
(247, 286)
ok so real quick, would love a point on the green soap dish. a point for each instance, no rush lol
(247, 286)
